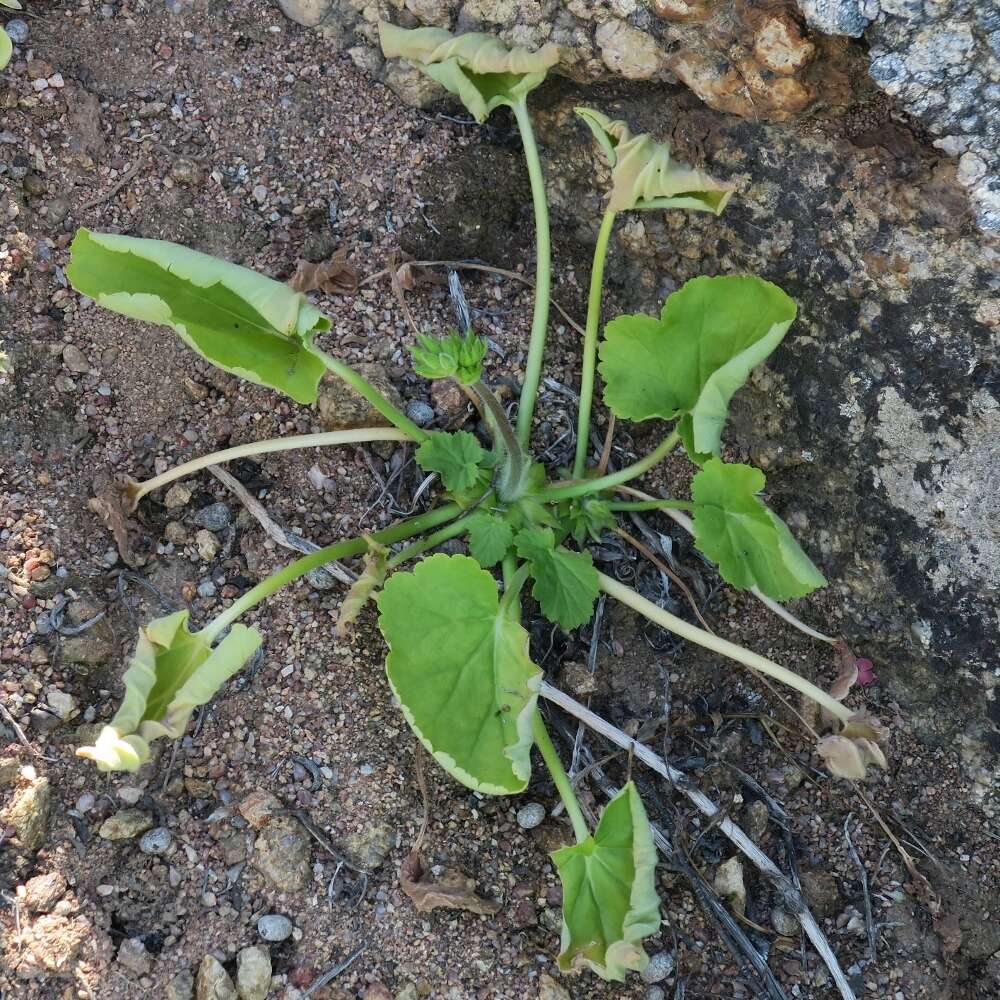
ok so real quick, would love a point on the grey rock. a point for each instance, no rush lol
(206, 589)
(89, 650)
(214, 517)
(282, 854)
(840, 17)
(253, 973)
(310, 13)
(531, 815)
(783, 922)
(370, 845)
(181, 987)
(75, 360)
(125, 824)
(274, 927)
(729, 884)
(420, 412)
(18, 30)
(133, 955)
(213, 982)
(30, 812)
(660, 966)
(155, 841)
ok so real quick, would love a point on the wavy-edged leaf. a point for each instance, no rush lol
(371, 578)
(460, 668)
(688, 363)
(566, 582)
(454, 356)
(489, 537)
(645, 175)
(456, 456)
(477, 68)
(751, 545)
(171, 673)
(609, 893)
(239, 320)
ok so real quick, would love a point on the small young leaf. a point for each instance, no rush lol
(172, 672)
(565, 581)
(239, 320)
(689, 362)
(489, 537)
(609, 892)
(362, 589)
(644, 175)
(477, 68)
(750, 543)
(460, 668)
(456, 457)
(454, 356)
(588, 517)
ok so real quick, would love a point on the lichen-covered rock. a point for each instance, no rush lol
(29, 813)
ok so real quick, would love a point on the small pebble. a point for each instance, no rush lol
(156, 841)
(85, 803)
(206, 589)
(260, 194)
(660, 966)
(274, 927)
(18, 31)
(530, 816)
(420, 413)
(214, 517)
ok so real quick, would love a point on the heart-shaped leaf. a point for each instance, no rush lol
(566, 583)
(644, 175)
(456, 456)
(239, 320)
(489, 537)
(460, 668)
(609, 893)
(688, 363)
(172, 672)
(750, 543)
(477, 68)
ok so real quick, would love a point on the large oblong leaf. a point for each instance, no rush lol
(750, 543)
(711, 334)
(171, 673)
(477, 68)
(645, 175)
(609, 892)
(460, 668)
(239, 320)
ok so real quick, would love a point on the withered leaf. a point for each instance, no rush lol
(335, 276)
(109, 505)
(453, 891)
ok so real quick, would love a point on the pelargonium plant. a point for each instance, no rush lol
(459, 660)
(6, 45)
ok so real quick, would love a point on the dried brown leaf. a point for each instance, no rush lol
(335, 276)
(108, 505)
(452, 891)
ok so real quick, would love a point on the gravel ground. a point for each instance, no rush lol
(241, 134)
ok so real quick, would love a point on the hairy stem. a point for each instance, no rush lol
(431, 541)
(637, 506)
(516, 464)
(719, 645)
(137, 491)
(364, 388)
(582, 487)
(543, 272)
(563, 785)
(590, 343)
(513, 582)
(339, 550)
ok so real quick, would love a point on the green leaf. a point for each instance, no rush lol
(750, 543)
(172, 672)
(460, 668)
(588, 516)
(489, 537)
(477, 68)
(644, 175)
(609, 893)
(566, 582)
(6, 48)
(454, 356)
(689, 362)
(239, 320)
(457, 457)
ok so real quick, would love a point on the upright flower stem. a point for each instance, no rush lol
(516, 464)
(583, 487)
(563, 785)
(339, 550)
(364, 388)
(590, 343)
(719, 645)
(543, 273)
(136, 491)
